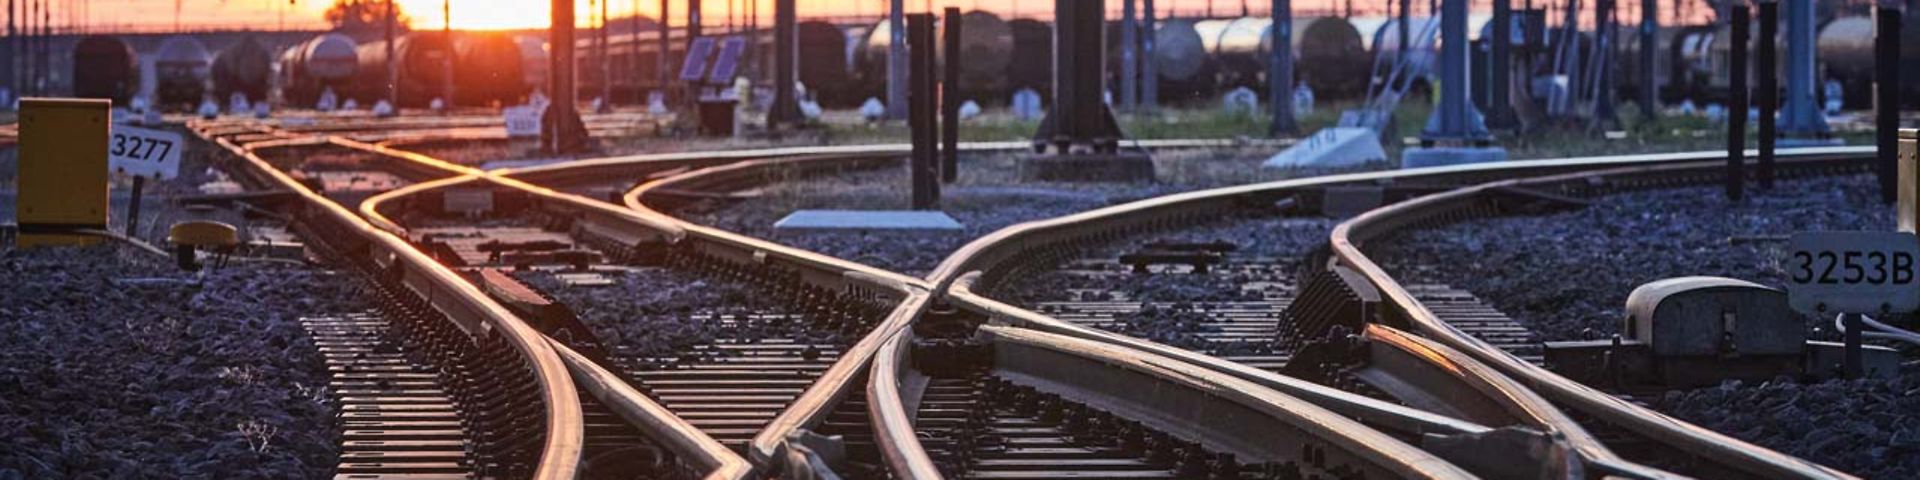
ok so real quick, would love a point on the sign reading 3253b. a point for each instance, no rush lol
(144, 151)
(1853, 272)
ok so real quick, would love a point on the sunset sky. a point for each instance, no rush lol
(149, 15)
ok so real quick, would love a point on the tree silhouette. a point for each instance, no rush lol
(364, 16)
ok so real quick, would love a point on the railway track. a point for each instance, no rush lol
(1496, 353)
(1629, 426)
(520, 413)
(723, 254)
(441, 354)
(951, 395)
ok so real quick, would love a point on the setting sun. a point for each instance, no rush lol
(485, 14)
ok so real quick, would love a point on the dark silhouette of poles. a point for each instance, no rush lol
(921, 114)
(950, 100)
(1737, 105)
(1886, 79)
(1769, 87)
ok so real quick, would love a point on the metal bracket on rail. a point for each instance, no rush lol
(811, 456)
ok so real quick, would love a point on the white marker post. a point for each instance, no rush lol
(1852, 273)
(523, 120)
(142, 152)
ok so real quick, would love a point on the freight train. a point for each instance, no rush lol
(310, 68)
(486, 70)
(105, 67)
(842, 65)
(180, 66)
(246, 68)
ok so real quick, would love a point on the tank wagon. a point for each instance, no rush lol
(181, 66)
(245, 68)
(326, 62)
(105, 67)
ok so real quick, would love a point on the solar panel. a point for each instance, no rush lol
(729, 61)
(695, 66)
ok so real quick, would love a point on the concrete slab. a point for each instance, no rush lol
(1331, 148)
(1441, 156)
(868, 220)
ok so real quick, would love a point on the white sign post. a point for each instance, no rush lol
(144, 152)
(1851, 274)
(523, 120)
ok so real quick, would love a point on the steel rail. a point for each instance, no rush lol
(1505, 402)
(1070, 363)
(370, 207)
(902, 451)
(1349, 236)
(466, 306)
(814, 403)
(767, 450)
(632, 196)
(1380, 414)
(893, 427)
(685, 440)
(988, 252)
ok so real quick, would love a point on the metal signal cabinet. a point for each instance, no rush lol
(63, 170)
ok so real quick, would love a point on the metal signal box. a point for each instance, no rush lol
(63, 170)
(1712, 316)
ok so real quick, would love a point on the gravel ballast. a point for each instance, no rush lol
(1866, 427)
(116, 365)
(658, 312)
(1257, 238)
(988, 196)
(1521, 266)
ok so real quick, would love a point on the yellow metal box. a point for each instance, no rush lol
(63, 169)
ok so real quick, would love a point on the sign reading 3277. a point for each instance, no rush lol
(1853, 272)
(144, 151)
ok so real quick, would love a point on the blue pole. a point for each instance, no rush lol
(1456, 120)
(1802, 117)
(1280, 70)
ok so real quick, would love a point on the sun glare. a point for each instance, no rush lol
(480, 14)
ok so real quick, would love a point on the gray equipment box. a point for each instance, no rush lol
(1714, 316)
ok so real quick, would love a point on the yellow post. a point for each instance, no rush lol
(63, 170)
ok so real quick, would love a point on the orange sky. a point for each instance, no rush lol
(496, 14)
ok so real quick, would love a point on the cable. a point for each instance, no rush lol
(1888, 332)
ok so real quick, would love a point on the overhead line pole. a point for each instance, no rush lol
(1129, 58)
(606, 59)
(896, 60)
(1149, 73)
(393, 74)
(446, 80)
(1280, 74)
(661, 62)
(638, 97)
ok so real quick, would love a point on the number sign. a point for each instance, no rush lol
(1852, 272)
(523, 120)
(144, 152)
